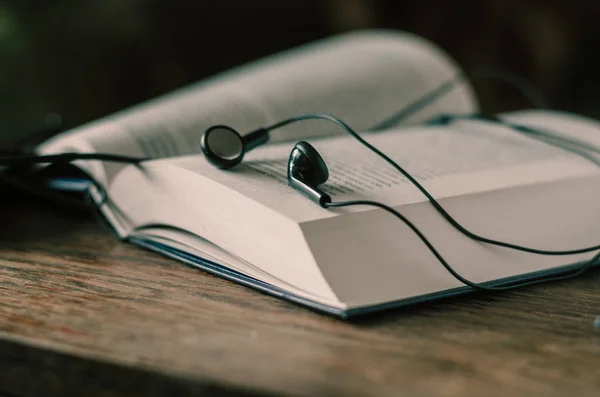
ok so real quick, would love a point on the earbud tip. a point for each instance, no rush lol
(222, 146)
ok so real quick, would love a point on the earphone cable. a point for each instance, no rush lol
(445, 214)
(525, 88)
(568, 275)
(69, 157)
(558, 140)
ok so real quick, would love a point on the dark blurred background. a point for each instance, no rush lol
(85, 59)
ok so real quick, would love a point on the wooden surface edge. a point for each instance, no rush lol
(33, 371)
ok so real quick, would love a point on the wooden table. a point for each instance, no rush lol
(85, 314)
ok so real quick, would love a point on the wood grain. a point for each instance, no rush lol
(80, 310)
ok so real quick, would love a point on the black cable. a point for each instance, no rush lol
(429, 197)
(571, 274)
(418, 104)
(526, 89)
(16, 161)
(534, 133)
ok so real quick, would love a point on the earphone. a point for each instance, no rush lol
(225, 148)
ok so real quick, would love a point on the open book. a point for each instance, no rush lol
(247, 225)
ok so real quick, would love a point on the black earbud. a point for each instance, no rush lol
(306, 170)
(224, 147)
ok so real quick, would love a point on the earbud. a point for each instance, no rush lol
(307, 170)
(224, 147)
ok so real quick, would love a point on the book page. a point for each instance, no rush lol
(362, 78)
(463, 158)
